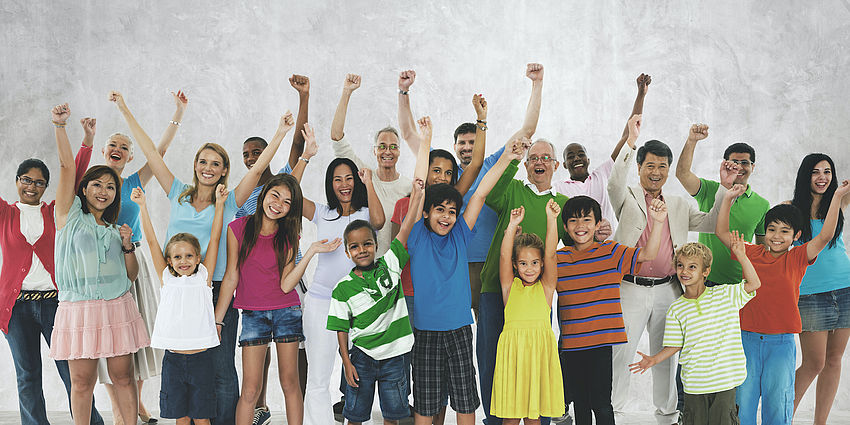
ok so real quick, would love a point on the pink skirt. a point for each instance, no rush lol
(97, 329)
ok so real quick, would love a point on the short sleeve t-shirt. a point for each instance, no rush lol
(259, 276)
(709, 332)
(372, 308)
(831, 271)
(487, 218)
(774, 308)
(746, 216)
(184, 218)
(440, 271)
(129, 212)
(595, 186)
(589, 310)
(399, 212)
(332, 266)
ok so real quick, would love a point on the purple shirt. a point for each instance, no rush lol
(259, 278)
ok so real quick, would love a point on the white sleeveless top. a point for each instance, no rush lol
(185, 319)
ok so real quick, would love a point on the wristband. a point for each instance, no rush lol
(403, 92)
(301, 158)
(481, 121)
(219, 324)
(177, 123)
(482, 127)
(129, 251)
(59, 124)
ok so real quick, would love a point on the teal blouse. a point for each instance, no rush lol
(89, 260)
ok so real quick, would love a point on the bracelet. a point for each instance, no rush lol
(174, 122)
(59, 124)
(219, 324)
(403, 92)
(481, 121)
(301, 158)
(482, 127)
(129, 251)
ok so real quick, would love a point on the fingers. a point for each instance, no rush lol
(699, 131)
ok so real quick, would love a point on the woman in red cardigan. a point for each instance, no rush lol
(28, 298)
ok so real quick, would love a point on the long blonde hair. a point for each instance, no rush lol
(188, 195)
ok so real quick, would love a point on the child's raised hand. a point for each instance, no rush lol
(418, 186)
(552, 209)
(311, 147)
(138, 196)
(126, 236)
(643, 365)
(728, 173)
(517, 214)
(604, 231)
(426, 129)
(365, 175)
(736, 191)
(286, 122)
(220, 195)
(737, 244)
(325, 246)
(658, 210)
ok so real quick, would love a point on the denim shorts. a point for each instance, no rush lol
(825, 311)
(393, 383)
(188, 387)
(260, 327)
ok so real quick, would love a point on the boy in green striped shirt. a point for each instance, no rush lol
(369, 305)
(705, 326)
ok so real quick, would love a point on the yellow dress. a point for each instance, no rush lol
(527, 380)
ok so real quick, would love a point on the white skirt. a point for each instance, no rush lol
(145, 290)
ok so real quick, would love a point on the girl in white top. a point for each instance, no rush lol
(350, 197)
(185, 321)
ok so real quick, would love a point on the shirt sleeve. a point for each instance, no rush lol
(177, 188)
(320, 214)
(737, 294)
(343, 149)
(760, 227)
(604, 170)
(416, 233)
(497, 198)
(339, 314)
(81, 161)
(705, 194)
(466, 234)
(399, 211)
(674, 335)
(133, 181)
(628, 259)
(398, 250)
(491, 160)
(800, 258)
(286, 169)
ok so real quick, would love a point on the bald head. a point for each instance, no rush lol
(576, 161)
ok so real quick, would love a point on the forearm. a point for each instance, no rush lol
(749, 273)
(215, 236)
(63, 148)
(155, 162)
(342, 340)
(422, 159)
(338, 123)
(665, 354)
(820, 241)
(376, 210)
(292, 278)
(406, 123)
(470, 173)
(721, 229)
(81, 162)
(532, 111)
(153, 244)
(297, 148)
(132, 266)
(683, 169)
(650, 252)
(496, 174)
(298, 170)
(637, 109)
(225, 295)
(413, 211)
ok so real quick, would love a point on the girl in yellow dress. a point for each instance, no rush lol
(527, 380)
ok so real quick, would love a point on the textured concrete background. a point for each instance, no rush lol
(763, 72)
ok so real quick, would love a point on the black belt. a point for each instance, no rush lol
(647, 281)
(37, 295)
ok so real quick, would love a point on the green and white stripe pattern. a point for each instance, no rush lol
(372, 308)
(709, 331)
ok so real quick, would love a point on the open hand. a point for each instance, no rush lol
(311, 147)
(300, 83)
(728, 173)
(643, 365)
(658, 210)
(60, 113)
(89, 126)
(406, 79)
(365, 175)
(737, 244)
(325, 246)
(534, 71)
(180, 99)
(138, 196)
(643, 81)
(698, 132)
(480, 106)
(352, 82)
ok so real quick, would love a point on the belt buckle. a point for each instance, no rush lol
(648, 282)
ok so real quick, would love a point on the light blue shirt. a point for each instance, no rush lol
(487, 218)
(89, 260)
(130, 211)
(184, 218)
(830, 271)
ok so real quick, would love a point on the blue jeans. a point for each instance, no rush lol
(226, 380)
(491, 319)
(770, 376)
(29, 319)
(392, 379)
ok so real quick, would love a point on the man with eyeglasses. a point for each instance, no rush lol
(747, 215)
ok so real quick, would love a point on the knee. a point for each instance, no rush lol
(83, 384)
(833, 361)
(251, 393)
(815, 364)
(290, 382)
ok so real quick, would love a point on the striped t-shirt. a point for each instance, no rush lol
(709, 331)
(589, 294)
(372, 308)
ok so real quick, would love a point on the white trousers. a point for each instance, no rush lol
(645, 308)
(322, 348)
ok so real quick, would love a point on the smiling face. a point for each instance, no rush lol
(463, 147)
(528, 264)
(576, 162)
(250, 152)
(360, 247)
(28, 184)
(100, 192)
(209, 168)
(691, 271)
(277, 202)
(118, 151)
(581, 229)
(387, 150)
(779, 236)
(653, 173)
(821, 177)
(441, 217)
(540, 164)
(183, 258)
(440, 170)
(745, 166)
(343, 183)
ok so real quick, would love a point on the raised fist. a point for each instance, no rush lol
(300, 83)
(352, 82)
(480, 105)
(643, 81)
(406, 79)
(534, 71)
(180, 99)
(60, 113)
(698, 132)
(89, 126)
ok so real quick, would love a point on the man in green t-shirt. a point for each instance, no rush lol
(748, 211)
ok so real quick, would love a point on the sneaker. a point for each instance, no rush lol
(338, 411)
(563, 420)
(262, 416)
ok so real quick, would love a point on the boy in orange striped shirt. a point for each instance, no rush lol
(589, 313)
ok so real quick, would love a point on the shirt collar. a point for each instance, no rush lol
(648, 197)
(533, 187)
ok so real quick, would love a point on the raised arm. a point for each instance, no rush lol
(249, 182)
(643, 81)
(130, 261)
(622, 164)
(417, 195)
(376, 211)
(180, 102)
(352, 82)
(721, 229)
(81, 161)
(658, 214)
(819, 242)
(292, 272)
(406, 124)
(215, 232)
(752, 278)
(514, 150)
(470, 173)
(534, 71)
(311, 148)
(506, 252)
(159, 264)
(550, 256)
(155, 162)
(683, 169)
(65, 190)
(301, 84)
(231, 278)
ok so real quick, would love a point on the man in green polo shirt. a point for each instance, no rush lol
(747, 216)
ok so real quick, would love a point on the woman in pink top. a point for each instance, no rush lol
(261, 269)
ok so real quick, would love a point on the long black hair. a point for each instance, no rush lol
(288, 229)
(359, 196)
(110, 214)
(803, 196)
(442, 153)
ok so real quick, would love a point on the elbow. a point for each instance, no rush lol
(378, 223)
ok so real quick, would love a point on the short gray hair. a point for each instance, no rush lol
(387, 129)
(123, 136)
(542, 140)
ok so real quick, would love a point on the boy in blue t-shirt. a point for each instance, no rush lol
(442, 349)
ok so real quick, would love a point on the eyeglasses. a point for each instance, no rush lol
(545, 159)
(742, 162)
(26, 181)
(383, 147)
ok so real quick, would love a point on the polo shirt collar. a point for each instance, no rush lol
(533, 187)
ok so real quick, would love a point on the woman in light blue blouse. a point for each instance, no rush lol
(192, 211)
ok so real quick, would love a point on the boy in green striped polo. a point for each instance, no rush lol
(369, 305)
(704, 325)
